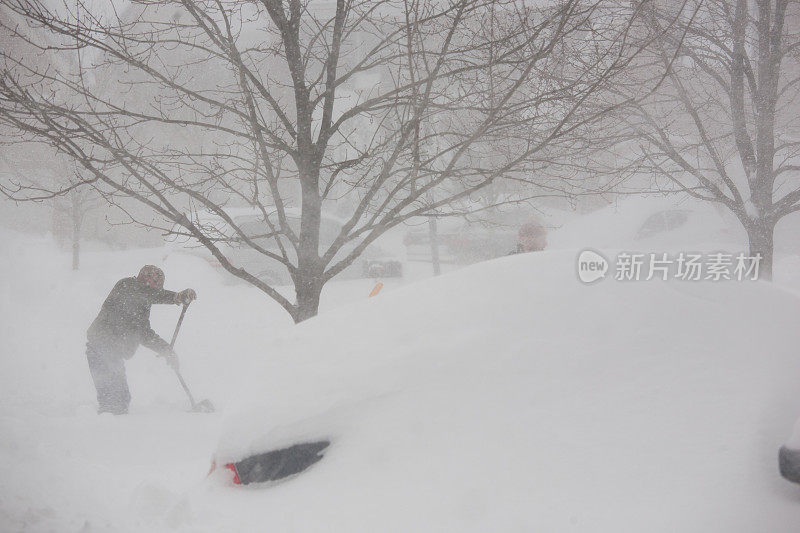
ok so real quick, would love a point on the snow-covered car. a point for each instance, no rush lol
(373, 262)
(663, 221)
(653, 224)
(273, 465)
(431, 391)
(789, 456)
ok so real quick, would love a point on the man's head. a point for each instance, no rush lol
(151, 276)
(532, 237)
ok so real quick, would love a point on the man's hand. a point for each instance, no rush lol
(185, 297)
(171, 358)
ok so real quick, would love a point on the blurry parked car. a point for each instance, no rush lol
(373, 262)
(465, 242)
(663, 222)
(653, 224)
(376, 262)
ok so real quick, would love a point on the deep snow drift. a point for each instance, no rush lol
(505, 396)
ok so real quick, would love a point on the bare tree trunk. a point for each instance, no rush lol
(761, 235)
(307, 290)
(308, 282)
(77, 219)
(434, 238)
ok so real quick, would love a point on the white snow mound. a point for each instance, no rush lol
(506, 396)
(509, 396)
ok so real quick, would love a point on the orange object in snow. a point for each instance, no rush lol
(376, 289)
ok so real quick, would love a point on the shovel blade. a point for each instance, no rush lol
(203, 406)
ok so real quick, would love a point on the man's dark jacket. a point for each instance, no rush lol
(124, 320)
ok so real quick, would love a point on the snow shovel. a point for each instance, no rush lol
(203, 406)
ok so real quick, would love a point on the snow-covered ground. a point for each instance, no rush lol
(505, 396)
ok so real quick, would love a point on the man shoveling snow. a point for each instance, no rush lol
(121, 326)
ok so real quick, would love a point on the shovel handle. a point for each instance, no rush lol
(172, 345)
(186, 389)
(178, 325)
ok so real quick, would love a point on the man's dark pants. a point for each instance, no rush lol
(110, 380)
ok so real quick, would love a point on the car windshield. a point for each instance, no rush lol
(662, 222)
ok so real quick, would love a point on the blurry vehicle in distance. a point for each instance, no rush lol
(662, 222)
(653, 224)
(373, 262)
(471, 241)
(376, 262)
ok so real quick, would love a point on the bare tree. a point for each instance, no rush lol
(38, 170)
(725, 124)
(79, 204)
(392, 109)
